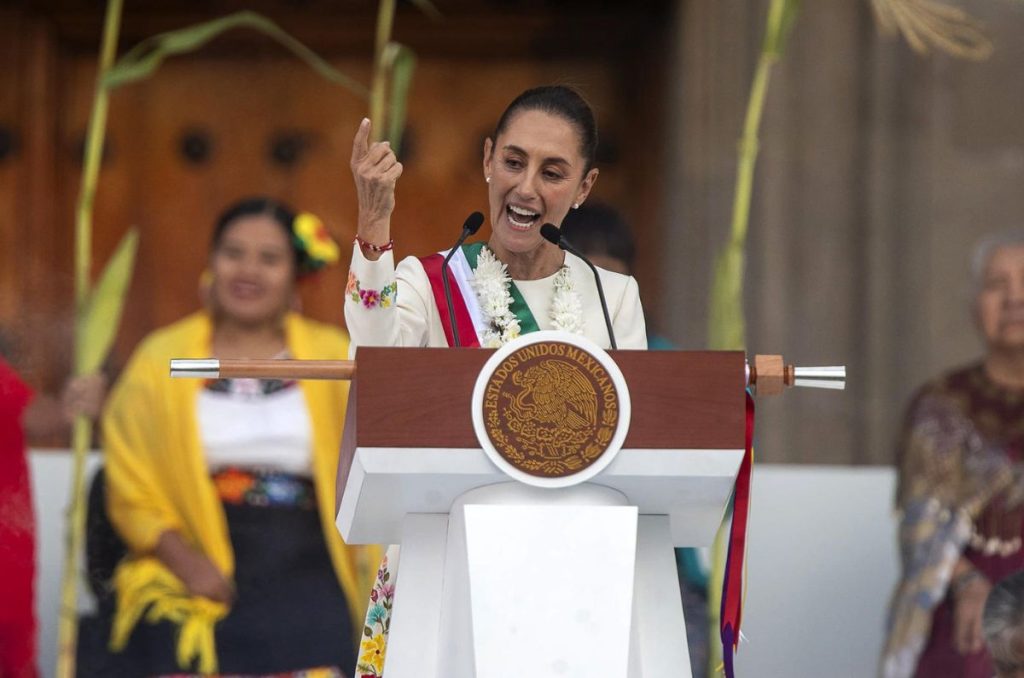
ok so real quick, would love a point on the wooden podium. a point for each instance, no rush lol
(501, 579)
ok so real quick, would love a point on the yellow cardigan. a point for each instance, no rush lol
(157, 480)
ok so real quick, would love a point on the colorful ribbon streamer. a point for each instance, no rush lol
(732, 585)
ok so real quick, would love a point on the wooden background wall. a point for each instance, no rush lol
(246, 96)
(878, 168)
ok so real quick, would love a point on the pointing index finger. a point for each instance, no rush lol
(360, 145)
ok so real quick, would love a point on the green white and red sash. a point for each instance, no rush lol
(468, 316)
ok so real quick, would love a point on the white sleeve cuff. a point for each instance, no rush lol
(371, 284)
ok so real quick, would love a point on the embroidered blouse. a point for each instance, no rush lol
(389, 306)
(253, 423)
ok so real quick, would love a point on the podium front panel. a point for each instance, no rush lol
(410, 447)
(421, 397)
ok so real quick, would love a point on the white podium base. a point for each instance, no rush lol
(601, 601)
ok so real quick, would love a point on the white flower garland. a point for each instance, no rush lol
(491, 283)
(566, 306)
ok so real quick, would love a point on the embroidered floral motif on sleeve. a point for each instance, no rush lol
(370, 298)
(378, 623)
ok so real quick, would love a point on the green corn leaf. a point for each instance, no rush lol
(145, 58)
(400, 63)
(100, 317)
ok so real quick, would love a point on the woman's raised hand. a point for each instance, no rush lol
(375, 169)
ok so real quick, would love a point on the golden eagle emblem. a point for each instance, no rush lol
(550, 409)
(555, 392)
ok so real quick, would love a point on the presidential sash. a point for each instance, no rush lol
(468, 318)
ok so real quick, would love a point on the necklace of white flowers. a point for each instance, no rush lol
(491, 283)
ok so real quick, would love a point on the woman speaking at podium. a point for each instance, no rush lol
(538, 164)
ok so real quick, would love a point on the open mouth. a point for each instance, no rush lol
(246, 291)
(520, 217)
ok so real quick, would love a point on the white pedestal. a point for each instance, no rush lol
(452, 509)
(550, 583)
(546, 604)
(658, 647)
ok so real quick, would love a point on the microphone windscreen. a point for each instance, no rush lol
(473, 223)
(551, 233)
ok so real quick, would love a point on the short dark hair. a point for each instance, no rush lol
(595, 228)
(279, 212)
(565, 102)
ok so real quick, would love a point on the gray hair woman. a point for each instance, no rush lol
(961, 485)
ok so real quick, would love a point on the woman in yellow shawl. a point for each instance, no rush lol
(223, 491)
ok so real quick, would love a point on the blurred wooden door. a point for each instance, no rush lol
(250, 119)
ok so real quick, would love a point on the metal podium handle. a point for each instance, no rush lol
(198, 369)
(770, 375)
(833, 377)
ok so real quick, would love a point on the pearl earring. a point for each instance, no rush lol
(487, 179)
(575, 205)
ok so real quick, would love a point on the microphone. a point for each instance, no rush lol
(553, 234)
(472, 224)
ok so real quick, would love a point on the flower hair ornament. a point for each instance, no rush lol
(316, 246)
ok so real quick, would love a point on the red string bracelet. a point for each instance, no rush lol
(390, 245)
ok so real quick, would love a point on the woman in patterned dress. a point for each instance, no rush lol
(961, 487)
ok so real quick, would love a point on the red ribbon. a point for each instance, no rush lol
(467, 333)
(732, 584)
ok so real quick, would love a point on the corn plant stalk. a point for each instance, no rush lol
(947, 29)
(393, 66)
(67, 632)
(726, 327)
(378, 88)
(726, 330)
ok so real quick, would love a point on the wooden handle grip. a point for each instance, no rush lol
(341, 370)
(287, 369)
